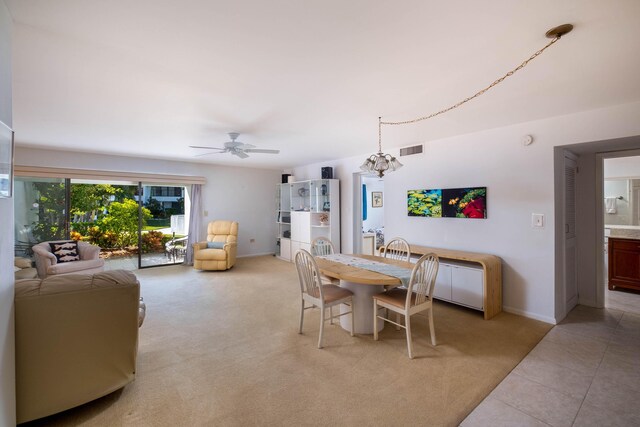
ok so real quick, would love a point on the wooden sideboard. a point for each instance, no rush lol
(624, 263)
(490, 266)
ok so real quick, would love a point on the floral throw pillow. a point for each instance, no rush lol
(65, 251)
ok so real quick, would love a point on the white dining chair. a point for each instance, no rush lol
(417, 297)
(397, 248)
(322, 246)
(317, 294)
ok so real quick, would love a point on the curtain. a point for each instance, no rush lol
(364, 202)
(195, 221)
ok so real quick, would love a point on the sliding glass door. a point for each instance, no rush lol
(40, 208)
(163, 232)
(106, 214)
(137, 225)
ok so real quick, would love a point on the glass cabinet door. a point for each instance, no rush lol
(320, 195)
(300, 196)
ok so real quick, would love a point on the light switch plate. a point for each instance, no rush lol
(537, 220)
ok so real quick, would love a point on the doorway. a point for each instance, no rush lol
(589, 220)
(368, 226)
(621, 219)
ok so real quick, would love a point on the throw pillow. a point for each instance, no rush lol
(21, 262)
(215, 245)
(66, 251)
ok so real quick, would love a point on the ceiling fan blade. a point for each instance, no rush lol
(206, 148)
(244, 146)
(240, 154)
(261, 150)
(208, 154)
(233, 144)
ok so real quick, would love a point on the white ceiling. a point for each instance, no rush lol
(151, 77)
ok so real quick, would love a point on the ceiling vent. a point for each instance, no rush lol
(409, 151)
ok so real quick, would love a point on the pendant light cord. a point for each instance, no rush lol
(477, 94)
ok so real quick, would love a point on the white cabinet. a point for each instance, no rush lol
(283, 221)
(442, 288)
(301, 227)
(467, 287)
(285, 249)
(369, 243)
(314, 211)
(461, 284)
(296, 246)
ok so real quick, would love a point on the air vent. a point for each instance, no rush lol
(409, 151)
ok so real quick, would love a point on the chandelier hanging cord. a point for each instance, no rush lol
(379, 135)
(556, 33)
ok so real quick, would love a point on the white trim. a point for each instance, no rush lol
(529, 315)
(356, 246)
(258, 254)
(49, 172)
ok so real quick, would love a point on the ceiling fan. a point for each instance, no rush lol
(237, 148)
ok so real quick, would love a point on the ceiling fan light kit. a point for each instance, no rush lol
(236, 148)
(380, 163)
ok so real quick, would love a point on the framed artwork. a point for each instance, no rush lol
(6, 161)
(448, 203)
(376, 199)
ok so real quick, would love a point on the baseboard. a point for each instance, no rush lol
(529, 315)
(258, 254)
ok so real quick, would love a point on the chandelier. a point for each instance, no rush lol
(380, 163)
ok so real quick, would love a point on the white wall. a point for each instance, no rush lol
(616, 188)
(623, 167)
(246, 195)
(7, 341)
(519, 181)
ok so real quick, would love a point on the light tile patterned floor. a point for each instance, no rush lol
(585, 372)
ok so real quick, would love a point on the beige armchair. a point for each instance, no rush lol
(219, 251)
(47, 264)
(76, 339)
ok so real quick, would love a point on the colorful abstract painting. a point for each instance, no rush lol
(464, 202)
(425, 203)
(448, 203)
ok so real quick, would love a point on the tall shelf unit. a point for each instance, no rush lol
(283, 220)
(307, 210)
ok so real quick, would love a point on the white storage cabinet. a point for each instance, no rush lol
(460, 283)
(314, 210)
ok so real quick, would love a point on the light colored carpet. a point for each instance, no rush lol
(222, 348)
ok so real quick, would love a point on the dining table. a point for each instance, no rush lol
(364, 283)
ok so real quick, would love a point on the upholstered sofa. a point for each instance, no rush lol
(219, 251)
(47, 264)
(23, 269)
(76, 339)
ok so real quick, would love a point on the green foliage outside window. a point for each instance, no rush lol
(122, 220)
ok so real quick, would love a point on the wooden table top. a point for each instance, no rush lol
(481, 258)
(349, 273)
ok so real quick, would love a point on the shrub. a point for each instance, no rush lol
(105, 239)
(81, 227)
(152, 241)
(122, 221)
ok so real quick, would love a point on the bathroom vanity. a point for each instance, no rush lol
(624, 262)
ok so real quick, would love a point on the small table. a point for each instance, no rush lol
(364, 284)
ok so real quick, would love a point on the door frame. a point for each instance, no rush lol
(356, 247)
(569, 155)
